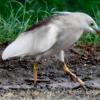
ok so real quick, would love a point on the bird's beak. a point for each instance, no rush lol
(97, 29)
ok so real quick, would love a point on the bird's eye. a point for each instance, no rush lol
(91, 24)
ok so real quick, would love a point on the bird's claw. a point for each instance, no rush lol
(72, 75)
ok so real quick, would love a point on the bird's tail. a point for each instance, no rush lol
(11, 51)
(19, 47)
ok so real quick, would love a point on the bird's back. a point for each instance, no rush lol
(50, 34)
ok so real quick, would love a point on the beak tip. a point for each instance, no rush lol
(98, 31)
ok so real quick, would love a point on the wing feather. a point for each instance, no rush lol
(32, 43)
(62, 13)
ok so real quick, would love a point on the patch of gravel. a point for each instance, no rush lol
(51, 95)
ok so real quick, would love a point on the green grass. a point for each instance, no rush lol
(16, 16)
(19, 20)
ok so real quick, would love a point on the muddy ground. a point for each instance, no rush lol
(16, 75)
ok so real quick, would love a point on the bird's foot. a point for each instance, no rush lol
(72, 75)
(36, 80)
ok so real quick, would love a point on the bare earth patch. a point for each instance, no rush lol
(15, 76)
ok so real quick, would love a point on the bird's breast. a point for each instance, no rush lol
(67, 39)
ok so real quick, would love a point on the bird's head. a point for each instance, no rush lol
(87, 23)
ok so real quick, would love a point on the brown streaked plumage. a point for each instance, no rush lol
(39, 24)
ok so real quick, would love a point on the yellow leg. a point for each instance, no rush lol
(72, 75)
(35, 73)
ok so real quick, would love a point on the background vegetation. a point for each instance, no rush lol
(17, 15)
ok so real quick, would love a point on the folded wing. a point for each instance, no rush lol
(32, 42)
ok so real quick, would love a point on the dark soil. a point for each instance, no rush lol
(16, 76)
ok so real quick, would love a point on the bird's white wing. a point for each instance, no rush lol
(32, 42)
(58, 12)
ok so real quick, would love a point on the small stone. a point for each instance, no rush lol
(35, 93)
(85, 64)
(10, 94)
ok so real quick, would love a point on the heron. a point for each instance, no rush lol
(50, 36)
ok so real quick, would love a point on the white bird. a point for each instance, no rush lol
(52, 36)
